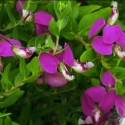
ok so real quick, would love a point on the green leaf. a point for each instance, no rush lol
(24, 114)
(40, 40)
(92, 72)
(70, 30)
(24, 36)
(88, 55)
(8, 121)
(54, 28)
(95, 82)
(23, 68)
(119, 88)
(31, 42)
(30, 5)
(67, 9)
(6, 83)
(1, 121)
(50, 42)
(84, 10)
(15, 33)
(31, 78)
(18, 79)
(11, 16)
(87, 21)
(14, 123)
(106, 65)
(34, 65)
(4, 114)
(62, 22)
(11, 99)
(75, 11)
(119, 71)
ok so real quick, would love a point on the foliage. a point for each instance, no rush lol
(24, 100)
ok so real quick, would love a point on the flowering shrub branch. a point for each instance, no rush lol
(62, 62)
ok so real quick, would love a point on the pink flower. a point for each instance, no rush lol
(111, 33)
(10, 47)
(50, 63)
(40, 18)
(105, 97)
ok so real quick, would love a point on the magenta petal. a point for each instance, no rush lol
(97, 25)
(107, 101)
(111, 33)
(68, 57)
(48, 62)
(14, 42)
(100, 47)
(56, 79)
(87, 104)
(120, 105)
(96, 93)
(60, 56)
(107, 79)
(43, 18)
(18, 7)
(6, 49)
(104, 117)
(121, 40)
(41, 29)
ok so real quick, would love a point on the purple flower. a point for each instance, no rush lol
(111, 33)
(40, 18)
(6, 46)
(10, 47)
(24, 52)
(55, 80)
(50, 63)
(111, 97)
(105, 97)
(18, 7)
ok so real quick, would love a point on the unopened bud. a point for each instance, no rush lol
(81, 67)
(115, 13)
(23, 51)
(27, 16)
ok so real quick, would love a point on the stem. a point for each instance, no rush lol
(10, 27)
(10, 90)
(56, 47)
(54, 93)
(81, 40)
(118, 62)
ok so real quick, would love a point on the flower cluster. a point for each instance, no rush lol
(112, 34)
(98, 101)
(50, 62)
(40, 18)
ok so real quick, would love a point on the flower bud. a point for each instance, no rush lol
(81, 67)
(23, 51)
(115, 13)
(119, 52)
(27, 16)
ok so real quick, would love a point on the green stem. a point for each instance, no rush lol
(56, 47)
(10, 27)
(54, 93)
